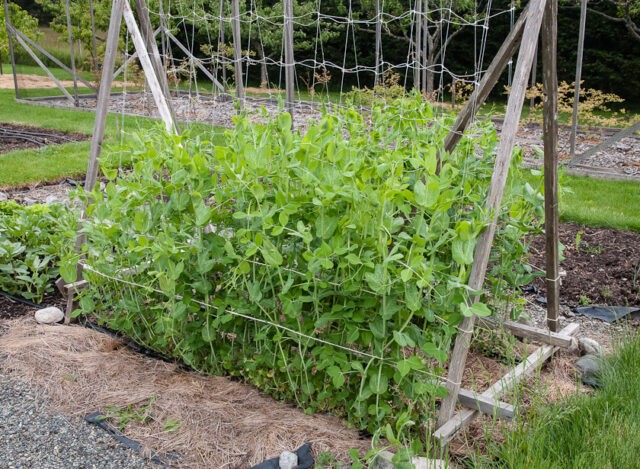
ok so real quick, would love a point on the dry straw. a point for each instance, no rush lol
(207, 421)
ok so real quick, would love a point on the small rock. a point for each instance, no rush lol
(424, 463)
(525, 319)
(4, 196)
(590, 367)
(589, 347)
(49, 315)
(29, 201)
(288, 460)
(383, 460)
(51, 199)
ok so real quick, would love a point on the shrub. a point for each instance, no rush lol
(252, 258)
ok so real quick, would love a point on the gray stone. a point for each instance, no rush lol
(288, 460)
(590, 367)
(424, 463)
(589, 347)
(383, 460)
(4, 196)
(49, 315)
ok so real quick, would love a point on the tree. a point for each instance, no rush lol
(626, 12)
(21, 20)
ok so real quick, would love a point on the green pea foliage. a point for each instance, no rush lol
(32, 240)
(327, 267)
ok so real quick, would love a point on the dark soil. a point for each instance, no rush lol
(19, 137)
(11, 308)
(602, 266)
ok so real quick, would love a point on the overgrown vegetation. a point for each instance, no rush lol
(32, 240)
(585, 431)
(251, 258)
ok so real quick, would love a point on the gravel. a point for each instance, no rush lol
(32, 437)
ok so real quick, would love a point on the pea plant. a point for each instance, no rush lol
(327, 267)
(32, 240)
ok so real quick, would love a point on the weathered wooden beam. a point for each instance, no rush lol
(154, 57)
(33, 55)
(486, 405)
(576, 92)
(550, 136)
(290, 70)
(9, 28)
(51, 57)
(529, 332)
(488, 82)
(461, 420)
(149, 72)
(628, 132)
(494, 199)
(237, 50)
(72, 56)
(76, 287)
(196, 61)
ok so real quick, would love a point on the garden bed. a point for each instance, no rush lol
(20, 137)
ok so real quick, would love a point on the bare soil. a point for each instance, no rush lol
(20, 137)
(31, 81)
(602, 266)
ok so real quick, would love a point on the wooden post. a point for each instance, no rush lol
(149, 71)
(377, 80)
(417, 73)
(72, 56)
(576, 94)
(102, 109)
(9, 28)
(94, 46)
(154, 55)
(534, 68)
(222, 39)
(550, 129)
(494, 198)
(289, 70)
(488, 81)
(237, 50)
(425, 45)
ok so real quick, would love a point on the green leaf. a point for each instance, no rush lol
(462, 251)
(476, 309)
(378, 383)
(336, 376)
(426, 195)
(270, 253)
(403, 340)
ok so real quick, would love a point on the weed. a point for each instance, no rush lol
(584, 300)
(122, 415)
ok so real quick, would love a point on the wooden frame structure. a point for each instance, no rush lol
(539, 16)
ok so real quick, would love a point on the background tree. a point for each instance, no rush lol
(21, 20)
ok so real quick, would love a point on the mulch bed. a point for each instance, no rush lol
(602, 266)
(20, 137)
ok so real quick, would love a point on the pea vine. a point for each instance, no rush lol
(327, 267)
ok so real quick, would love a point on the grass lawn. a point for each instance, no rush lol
(601, 430)
(56, 162)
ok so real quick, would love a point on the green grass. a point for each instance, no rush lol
(584, 431)
(602, 203)
(56, 162)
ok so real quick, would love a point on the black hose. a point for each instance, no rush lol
(21, 300)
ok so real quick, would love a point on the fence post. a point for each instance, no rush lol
(237, 50)
(290, 70)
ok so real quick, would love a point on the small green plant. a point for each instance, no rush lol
(122, 415)
(578, 241)
(172, 425)
(32, 240)
(584, 300)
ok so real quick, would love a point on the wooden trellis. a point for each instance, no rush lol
(538, 18)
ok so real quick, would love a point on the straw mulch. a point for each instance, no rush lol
(206, 421)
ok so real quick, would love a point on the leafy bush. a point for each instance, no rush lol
(254, 257)
(32, 240)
